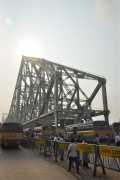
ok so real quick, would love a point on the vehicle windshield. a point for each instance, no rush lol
(12, 129)
(116, 127)
(101, 126)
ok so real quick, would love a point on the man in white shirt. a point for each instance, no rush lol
(117, 139)
(56, 138)
(72, 155)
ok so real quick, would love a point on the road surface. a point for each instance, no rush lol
(25, 164)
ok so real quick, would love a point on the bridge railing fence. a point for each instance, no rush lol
(100, 156)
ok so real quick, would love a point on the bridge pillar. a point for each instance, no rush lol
(61, 123)
(105, 104)
(56, 119)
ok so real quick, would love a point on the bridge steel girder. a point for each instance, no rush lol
(48, 92)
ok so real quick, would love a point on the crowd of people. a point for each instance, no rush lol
(73, 154)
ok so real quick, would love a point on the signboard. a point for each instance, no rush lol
(110, 151)
(81, 147)
(85, 148)
(63, 146)
(12, 136)
(41, 142)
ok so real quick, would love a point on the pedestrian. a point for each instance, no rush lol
(61, 150)
(66, 137)
(81, 138)
(56, 147)
(56, 137)
(71, 136)
(32, 142)
(51, 137)
(32, 134)
(72, 155)
(96, 140)
(85, 157)
(108, 139)
(98, 157)
(117, 139)
(78, 140)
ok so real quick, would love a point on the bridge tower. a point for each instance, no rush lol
(47, 92)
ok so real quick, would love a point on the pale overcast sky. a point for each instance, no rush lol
(83, 34)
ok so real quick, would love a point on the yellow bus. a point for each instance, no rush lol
(89, 130)
(44, 130)
(11, 134)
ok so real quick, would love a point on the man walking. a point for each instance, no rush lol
(72, 155)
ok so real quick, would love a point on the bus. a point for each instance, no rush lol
(89, 130)
(115, 128)
(11, 134)
(28, 131)
(44, 130)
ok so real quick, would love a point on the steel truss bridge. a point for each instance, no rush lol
(47, 92)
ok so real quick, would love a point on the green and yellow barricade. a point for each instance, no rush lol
(63, 146)
(109, 151)
(41, 143)
(87, 148)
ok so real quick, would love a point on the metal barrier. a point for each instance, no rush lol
(110, 156)
(0, 152)
(102, 156)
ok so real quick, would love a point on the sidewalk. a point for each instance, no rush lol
(85, 174)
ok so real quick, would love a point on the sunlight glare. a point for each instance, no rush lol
(29, 47)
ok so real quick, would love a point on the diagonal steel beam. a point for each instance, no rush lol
(47, 96)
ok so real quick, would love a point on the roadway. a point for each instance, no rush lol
(25, 164)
